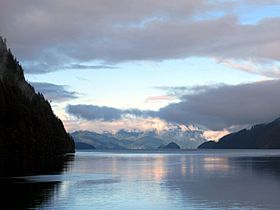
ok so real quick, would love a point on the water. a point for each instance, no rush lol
(202, 179)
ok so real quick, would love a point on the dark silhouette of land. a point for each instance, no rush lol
(32, 138)
(171, 145)
(261, 136)
(21, 193)
(81, 145)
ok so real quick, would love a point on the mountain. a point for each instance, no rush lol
(261, 136)
(146, 142)
(109, 141)
(128, 135)
(96, 140)
(82, 145)
(171, 145)
(186, 138)
(207, 145)
(29, 130)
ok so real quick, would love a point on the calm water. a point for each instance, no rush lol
(220, 179)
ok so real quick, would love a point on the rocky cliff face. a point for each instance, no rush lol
(29, 130)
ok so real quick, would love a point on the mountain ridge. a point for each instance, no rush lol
(31, 135)
(260, 136)
(171, 145)
(137, 139)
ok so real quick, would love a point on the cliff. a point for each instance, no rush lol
(29, 130)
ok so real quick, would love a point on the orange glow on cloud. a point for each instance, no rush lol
(129, 123)
(215, 135)
(156, 99)
(125, 123)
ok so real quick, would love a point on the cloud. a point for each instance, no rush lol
(215, 107)
(143, 124)
(81, 66)
(270, 69)
(160, 98)
(215, 135)
(53, 92)
(91, 112)
(55, 33)
(261, 2)
(224, 106)
(104, 113)
(41, 68)
(179, 91)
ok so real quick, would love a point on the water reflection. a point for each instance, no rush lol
(222, 182)
(173, 181)
(184, 180)
(22, 193)
(190, 180)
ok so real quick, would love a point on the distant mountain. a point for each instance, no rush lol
(146, 142)
(82, 145)
(261, 136)
(123, 139)
(128, 135)
(29, 130)
(185, 137)
(96, 140)
(171, 145)
(207, 145)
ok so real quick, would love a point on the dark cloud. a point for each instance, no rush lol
(41, 68)
(92, 112)
(54, 33)
(80, 66)
(179, 91)
(215, 107)
(53, 92)
(227, 105)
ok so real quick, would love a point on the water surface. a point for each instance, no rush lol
(121, 180)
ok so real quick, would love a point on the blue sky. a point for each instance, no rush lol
(148, 55)
(130, 84)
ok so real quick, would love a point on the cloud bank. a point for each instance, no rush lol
(214, 107)
(104, 113)
(51, 34)
(53, 92)
(223, 106)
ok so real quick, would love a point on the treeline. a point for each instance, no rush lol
(29, 127)
(261, 136)
(29, 130)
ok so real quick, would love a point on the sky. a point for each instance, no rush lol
(107, 65)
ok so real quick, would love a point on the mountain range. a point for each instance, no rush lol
(123, 139)
(261, 136)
